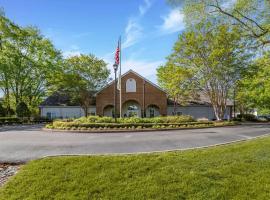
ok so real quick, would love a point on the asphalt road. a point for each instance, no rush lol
(24, 143)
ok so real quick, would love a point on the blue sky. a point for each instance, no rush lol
(148, 28)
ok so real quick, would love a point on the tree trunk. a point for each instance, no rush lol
(174, 106)
(8, 102)
(85, 108)
(219, 111)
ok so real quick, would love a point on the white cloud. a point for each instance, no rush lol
(73, 50)
(133, 30)
(144, 8)
(173, 22)
(67, 54)
(144, 67)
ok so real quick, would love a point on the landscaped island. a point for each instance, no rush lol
(95, 123)
(238, 171)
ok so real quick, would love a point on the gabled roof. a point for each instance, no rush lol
(61, 99)
(131, 71)
(198, 99)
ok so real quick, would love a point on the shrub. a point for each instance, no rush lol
(134, 120)
(22, 110)
(95, 119)
(49, 126)
(132, 126)
(247, 117)
(9, 120)
(2, 110)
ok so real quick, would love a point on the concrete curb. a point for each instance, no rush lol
(132, 130)
(162, 151)
(146, 152)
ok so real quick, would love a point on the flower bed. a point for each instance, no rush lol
(168, 119)
(91, 124)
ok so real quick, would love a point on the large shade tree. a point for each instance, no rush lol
(252, 17)
(27, 63)
(81, 78)
(254, 88)
(176, 81)
(215, 55)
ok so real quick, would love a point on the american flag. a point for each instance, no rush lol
(116, 57)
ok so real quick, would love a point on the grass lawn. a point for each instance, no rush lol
(238, 171)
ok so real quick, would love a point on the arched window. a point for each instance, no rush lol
(133, 107)
(131, 85)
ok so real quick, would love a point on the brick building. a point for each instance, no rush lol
(140, 98)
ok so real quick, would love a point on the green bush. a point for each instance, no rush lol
(107, 123)
(9, 120)
(134, 120)
(95, 119)
(22, 110)
(60, 125)
(247, 117)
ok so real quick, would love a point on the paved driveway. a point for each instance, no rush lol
(24, 143)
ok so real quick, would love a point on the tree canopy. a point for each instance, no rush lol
(82, 77)
(215, 57)
(251, 16)
(27, 62)
(32, 68)
(224, 47)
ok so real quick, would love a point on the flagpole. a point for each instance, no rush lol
(120, 81)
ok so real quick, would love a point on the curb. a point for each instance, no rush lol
(162, 151)
(132, 130)
(146, 152)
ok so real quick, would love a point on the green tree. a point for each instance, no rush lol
(28, 61)
(215, 56)
(254, 89)
(22, 110)
(2, 110)
(8, 33)
(176, 81)
(82, 77)
(251, 16)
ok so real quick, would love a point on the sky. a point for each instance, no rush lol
(148, 28)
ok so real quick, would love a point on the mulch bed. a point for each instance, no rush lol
(6, 171)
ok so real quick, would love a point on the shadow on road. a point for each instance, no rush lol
(34, 127)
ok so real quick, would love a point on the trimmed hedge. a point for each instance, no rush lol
(246, 117)
(123, 126)
(9, 120)
(167, 119)
(16, 120)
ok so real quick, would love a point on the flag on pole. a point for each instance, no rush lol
(118, 62)
(117, 54)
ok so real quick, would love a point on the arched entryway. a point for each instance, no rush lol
(131, 108)
(152, 111)
(108, 111)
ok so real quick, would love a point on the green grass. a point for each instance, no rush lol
(238, 171)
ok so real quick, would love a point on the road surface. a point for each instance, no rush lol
(24, 143)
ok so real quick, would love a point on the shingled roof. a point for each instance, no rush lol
(200, 99)
(59, 99)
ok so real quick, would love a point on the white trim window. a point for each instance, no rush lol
(131, 85)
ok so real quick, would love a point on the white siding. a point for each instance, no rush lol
(197, 111)
(65, 111)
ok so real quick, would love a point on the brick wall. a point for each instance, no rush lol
(151, 96)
